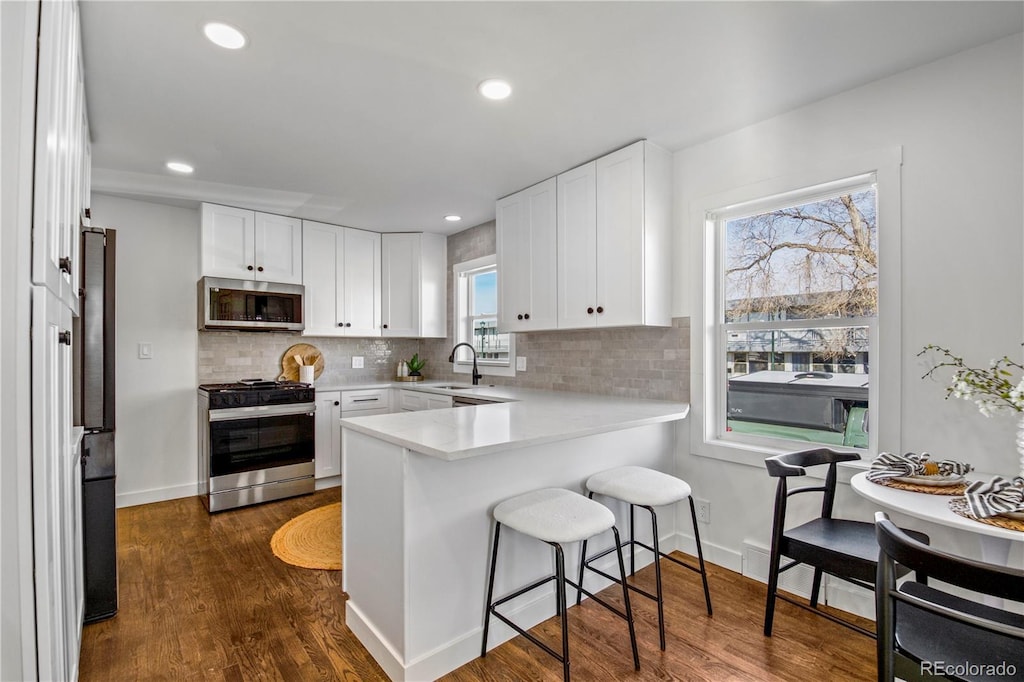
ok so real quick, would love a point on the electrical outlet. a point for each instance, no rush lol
(357, 362)
(145, 350)
(703, 508)
(520, 363)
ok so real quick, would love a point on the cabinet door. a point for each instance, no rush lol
(411, 401)
(620, 237)
(437, 402)
(227, 246)
(577, 247)
(58, 97)
(56, 533)
(322, 255)
(278, 249)
(328, 434)
(400, 286)
(526, 246)
(361, 283)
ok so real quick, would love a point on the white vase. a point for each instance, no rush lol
(1020, 443)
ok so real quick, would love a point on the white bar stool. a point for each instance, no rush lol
(646, 488)
(555, 516)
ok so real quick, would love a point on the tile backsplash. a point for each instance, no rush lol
(230, 356)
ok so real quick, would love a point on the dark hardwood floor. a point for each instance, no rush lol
(203, 598)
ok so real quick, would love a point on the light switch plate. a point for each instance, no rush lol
(520, 363)
(145, 350)
(357, 362)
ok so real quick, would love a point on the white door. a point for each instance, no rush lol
(278, 249)
(577, 247)
(227, 248)
(620, 235)
(400, 289)
(527, 264)
(322, 254)
(361, 283)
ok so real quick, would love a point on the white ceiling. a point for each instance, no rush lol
(365, 113)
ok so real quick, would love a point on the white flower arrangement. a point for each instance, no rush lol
(993, 390)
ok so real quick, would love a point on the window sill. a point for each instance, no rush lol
(753, 455)
(486, 370)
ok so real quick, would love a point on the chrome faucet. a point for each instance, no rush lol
(476, 373)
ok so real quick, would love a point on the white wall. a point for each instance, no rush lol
(959, 122)
(157, 268)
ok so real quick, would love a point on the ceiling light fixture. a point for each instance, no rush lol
(453, 218)
(224, 35)
(180, 167)
(495, 88)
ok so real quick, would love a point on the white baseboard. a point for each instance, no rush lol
(173, 492)
(713, 554)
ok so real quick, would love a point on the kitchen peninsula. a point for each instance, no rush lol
(418, 490)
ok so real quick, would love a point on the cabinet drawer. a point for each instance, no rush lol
(368, 399)
(366, 413)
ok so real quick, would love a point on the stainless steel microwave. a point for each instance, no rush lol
(247, 305)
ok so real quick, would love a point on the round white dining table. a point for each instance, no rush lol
(995, 542)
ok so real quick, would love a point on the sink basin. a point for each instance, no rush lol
(453, 387)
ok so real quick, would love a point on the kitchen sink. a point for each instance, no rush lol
(453, 387)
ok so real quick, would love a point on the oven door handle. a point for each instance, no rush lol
(262, 411)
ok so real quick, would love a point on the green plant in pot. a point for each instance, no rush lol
(415, 364)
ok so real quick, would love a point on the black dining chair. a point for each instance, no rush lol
(927, 633)
(842, 548)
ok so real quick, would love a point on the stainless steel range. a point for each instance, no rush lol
(256, 442)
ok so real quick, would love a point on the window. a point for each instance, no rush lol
(796, 277)
(476, 305)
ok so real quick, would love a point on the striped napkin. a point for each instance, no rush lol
(998, 496)
(890, 465)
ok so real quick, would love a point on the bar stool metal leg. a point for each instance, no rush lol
(657, 578)
(490, 587)
(625, 599)
(562, 611)
(700, 556)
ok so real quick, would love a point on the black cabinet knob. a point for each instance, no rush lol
(65, 265)
(348, 324)
(249, 267)
(385, 326)
(260, 268)
(600, 309)
(519, 317)
(526, 316)
(337, 402)
(64, 338)
(590, 311)
(341, 324)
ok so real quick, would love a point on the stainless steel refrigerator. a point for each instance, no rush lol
(94, 407)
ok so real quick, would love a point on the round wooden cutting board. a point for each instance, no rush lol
(310, 355)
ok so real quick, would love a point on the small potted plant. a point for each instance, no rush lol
(415, 364)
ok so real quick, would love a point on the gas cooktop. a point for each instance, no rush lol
(252, 385)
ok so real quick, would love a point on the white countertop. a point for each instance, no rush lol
(526, 417)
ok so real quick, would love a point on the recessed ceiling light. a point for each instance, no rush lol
(179, 167)
(453, 218)
(494, 88)
(224, 35)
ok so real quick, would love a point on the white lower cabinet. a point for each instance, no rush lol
(328, 434)
(413, 401)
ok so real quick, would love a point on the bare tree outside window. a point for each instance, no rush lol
(812, 261)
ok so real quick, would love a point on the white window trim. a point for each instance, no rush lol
(706, 389)
(460, 284)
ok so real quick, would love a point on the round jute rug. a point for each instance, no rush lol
(311, 540)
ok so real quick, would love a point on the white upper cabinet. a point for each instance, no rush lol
(61, 154)
(244, 244)
(614, 241)
(413, 288)
(341, 269)
(527, 259)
